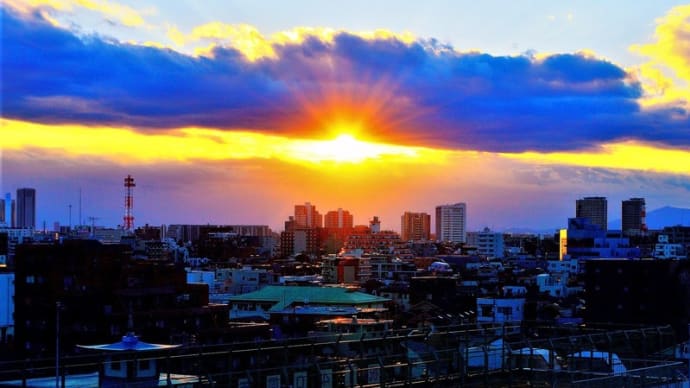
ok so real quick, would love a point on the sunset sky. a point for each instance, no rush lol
(232, 112)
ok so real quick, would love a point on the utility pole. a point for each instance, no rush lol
(58, 306)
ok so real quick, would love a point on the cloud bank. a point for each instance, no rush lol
(403, 90)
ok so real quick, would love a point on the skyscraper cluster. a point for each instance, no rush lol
(21, 211)
(633, 214)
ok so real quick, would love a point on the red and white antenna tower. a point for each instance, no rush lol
(129, 203)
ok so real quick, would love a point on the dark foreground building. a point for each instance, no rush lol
(639, 292)
(99, 293)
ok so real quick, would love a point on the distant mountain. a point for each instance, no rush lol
(519, 230)
(658, 218)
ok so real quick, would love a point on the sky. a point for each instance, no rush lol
(232, 112)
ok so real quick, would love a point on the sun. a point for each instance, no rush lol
(346, 148)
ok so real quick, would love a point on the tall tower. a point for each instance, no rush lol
(26, 208)
(633, 217)
(594, 208)
(415, 226)
(338, 219)
(451, 222)
(306, 216)
(129, 203)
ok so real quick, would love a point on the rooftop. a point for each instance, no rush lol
(284, 296)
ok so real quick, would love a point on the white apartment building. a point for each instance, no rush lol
(488, 243)
(503, 309)
(663, 249)
(451, 222)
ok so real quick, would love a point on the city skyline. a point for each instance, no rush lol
(631, 214)
(234, 113)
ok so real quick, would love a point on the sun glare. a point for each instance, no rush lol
(187, 144)
(345, 148)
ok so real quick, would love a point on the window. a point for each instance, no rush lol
(116, 365)
(144, 364)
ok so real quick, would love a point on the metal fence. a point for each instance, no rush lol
(441, 356)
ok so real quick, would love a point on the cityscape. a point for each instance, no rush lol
(310, 194)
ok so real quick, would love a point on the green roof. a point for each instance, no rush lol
(284, 296)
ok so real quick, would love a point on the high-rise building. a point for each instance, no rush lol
(633, 217)
(594, 208)
(338, 219)
(307, 216)
(415, 226)
(7, 213)
(26, 208)
(451, 222)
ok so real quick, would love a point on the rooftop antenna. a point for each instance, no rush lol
(93, 225)
(80, 220)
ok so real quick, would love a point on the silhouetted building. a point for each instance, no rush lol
(633, 216)
(639, 292)
(440, 290)
(104, 293)
(26, 208)
(233, 241)
(585, 240)
(678, 234)
(183, 233)
(338, 224)
(594, 208)
(296, 239)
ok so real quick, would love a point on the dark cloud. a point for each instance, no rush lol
(434, 94)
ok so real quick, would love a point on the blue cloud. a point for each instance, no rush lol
(439, 96)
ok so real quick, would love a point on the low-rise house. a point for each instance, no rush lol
(292, 306)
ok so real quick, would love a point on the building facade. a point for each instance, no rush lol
(487, 242)
(584, 240)
(6, 306)
(594, 208)
(100, 292)
(338, 219)
(646, 292)
(26, 208)
(451, 222)
(307, 216)
(633, 217)
(8, 211)
(415, 226)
